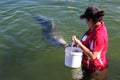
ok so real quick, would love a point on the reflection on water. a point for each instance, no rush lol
(25, 55)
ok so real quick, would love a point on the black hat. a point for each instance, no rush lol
(90, 12)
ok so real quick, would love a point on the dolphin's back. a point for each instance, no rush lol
(49, 31)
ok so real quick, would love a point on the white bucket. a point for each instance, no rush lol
(73, 57)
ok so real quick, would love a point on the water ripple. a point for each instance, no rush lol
(9, 38)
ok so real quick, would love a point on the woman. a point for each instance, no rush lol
(94, 44)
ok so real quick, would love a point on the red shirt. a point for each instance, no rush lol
(97, 41)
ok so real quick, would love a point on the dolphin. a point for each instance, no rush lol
(49, 31)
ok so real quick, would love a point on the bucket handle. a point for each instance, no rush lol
(72, 44)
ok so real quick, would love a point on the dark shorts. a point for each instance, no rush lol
(84, 74)
(97, 75)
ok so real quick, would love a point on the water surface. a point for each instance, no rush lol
(24, 55)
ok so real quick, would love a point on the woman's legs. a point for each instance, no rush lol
(97, 75)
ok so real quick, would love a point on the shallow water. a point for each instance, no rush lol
(24, 55)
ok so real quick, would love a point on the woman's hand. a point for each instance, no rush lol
(87, 51)
(75, 40)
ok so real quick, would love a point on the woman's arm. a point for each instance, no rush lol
(87, 51)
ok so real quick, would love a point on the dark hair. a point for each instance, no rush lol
(98, 16)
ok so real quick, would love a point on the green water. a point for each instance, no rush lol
(24, 55)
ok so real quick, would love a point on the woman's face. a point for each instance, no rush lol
(90, 23)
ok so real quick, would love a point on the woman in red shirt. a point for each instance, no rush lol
(94, 44)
